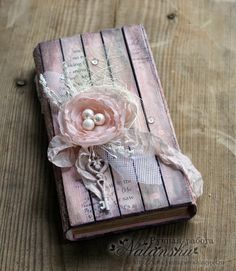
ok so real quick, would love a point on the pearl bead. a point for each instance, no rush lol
(99, 119)
(87, 113)
(88, 124)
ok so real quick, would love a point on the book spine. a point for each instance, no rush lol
(45, 110)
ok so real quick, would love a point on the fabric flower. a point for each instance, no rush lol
(119, 114)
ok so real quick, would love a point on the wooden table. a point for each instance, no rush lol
(194, 48)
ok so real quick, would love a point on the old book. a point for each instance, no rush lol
(132, 204)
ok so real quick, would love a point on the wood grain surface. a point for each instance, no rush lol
(193, 43)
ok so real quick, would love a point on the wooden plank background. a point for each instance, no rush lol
(193, 43)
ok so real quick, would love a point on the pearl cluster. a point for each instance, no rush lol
(90, 119)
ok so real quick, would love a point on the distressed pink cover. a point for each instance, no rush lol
(78, 206)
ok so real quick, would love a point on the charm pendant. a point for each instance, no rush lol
(97, 167)
(92, 168)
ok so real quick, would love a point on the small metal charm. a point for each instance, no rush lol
(101, 184)
(97, 167)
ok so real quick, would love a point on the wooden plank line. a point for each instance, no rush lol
(113, 182)
(106, 56)
(86, 60)
(62, 52)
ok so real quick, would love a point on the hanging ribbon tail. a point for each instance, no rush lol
(173, 157)
(62, 153)
(90, 181)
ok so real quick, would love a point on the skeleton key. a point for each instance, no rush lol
(97, 167)
(101, 184)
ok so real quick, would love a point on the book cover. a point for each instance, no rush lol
(147, 181)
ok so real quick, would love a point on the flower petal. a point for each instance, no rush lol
(61, 152)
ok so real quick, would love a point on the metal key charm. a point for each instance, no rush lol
(97, 167)
(101, 184)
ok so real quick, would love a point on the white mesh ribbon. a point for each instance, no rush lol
(138, 161)
(115, 142)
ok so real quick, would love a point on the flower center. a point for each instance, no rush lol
(90, 119)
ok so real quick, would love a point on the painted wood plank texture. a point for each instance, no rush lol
(74, 56)
(195, 55)
(78, 202)
(114, 65)
(45, 110)
(128, 192)
(154, 196)
(150, 89)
